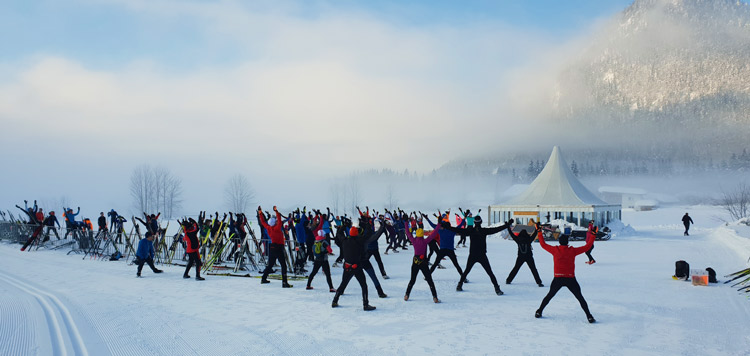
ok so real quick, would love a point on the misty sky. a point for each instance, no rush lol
(288, 93)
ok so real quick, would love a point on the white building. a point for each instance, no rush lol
(556, 194)
(627, 197)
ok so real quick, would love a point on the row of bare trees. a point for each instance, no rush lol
(156, 189)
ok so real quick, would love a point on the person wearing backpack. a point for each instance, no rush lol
(564, 265)
(525, 255)
(321, 249)
(145, 254)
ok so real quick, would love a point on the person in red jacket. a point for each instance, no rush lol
(193, 245)
(564, 260)
(276, 250)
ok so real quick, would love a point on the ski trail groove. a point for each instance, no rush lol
(21, 339)
(50, 304)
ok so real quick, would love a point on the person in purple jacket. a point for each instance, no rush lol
(419, 263)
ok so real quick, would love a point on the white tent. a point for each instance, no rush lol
(556, 194)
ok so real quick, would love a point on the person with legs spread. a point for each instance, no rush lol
(193, 245)
(50, 222)
(477, 249)
(564, 265)
(321, 249)
(525, 255)
(145, 254)
(354, 244)
(447, 249)
(276, 250)
(419, 262)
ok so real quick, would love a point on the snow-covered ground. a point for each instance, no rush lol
(55, 304)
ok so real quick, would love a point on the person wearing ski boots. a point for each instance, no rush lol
(477, 249)
(145, 253)
(564, 257)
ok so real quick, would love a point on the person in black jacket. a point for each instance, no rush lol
(687, 220)
(102, 222)
(50, 222)
(354, 246)
(525, 254)
(478, 249)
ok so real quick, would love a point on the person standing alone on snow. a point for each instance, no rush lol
(564, 258)
(686, 220)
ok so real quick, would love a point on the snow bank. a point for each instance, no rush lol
(736, 236)
(619, 229)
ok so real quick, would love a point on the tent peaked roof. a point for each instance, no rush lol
(556, 185)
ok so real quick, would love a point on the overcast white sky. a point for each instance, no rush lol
(287, 93)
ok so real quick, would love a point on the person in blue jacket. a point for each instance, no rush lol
(446, 244)
(145, 254)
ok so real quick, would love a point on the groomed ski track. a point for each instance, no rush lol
(54, 304)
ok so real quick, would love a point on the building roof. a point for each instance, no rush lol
(556, 185)
(622, 190)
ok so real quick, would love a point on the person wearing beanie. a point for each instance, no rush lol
(419, 262)
(192, 247)
(321, 249)
(446, 244)
(145, 254)
(276, 250)
(354, 246)
(564, 265)
(525, 254)
(477, 249)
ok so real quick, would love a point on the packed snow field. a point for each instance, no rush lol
(54, 304)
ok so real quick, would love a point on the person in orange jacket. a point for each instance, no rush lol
(564, 261)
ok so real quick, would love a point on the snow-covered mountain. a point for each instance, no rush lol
(668, 62)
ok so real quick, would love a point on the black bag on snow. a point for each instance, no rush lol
(682, 269)
(711, 275)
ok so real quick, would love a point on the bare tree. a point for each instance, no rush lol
(335, 191)
(238, 193)
(354, 193)
(155, 190)
(737, 202)
(140, 187)
(390, 197)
